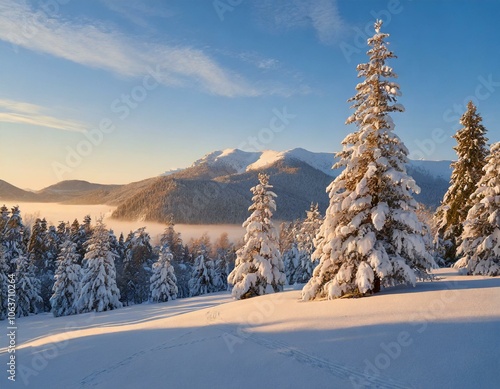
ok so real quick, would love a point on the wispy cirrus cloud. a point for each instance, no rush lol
(100, 46)
(275, 70)
(137, 11)
(258, 61)
(20, 112)
(321, 15)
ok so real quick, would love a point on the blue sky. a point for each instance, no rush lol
(117, 91)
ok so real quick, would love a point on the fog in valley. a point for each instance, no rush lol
(55, 213)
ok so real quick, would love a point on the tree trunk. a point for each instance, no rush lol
(376, 284)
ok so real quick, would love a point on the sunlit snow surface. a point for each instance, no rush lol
(440, 334)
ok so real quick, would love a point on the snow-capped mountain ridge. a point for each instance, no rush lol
(233, 158)
(216, 188)
(245, 161)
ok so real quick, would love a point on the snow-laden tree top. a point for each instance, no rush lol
(371, 236)
(259, 267)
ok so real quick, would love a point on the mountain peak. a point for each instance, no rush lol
(74, 186)
(235, 159)
(242, 161)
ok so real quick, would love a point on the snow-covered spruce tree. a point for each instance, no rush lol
(63, 231)
(4, 218)
(137, 266)
(286, 235)
(305, 267)
(42, 252)
(291, 262)
(224, 261)
(201, 281)
(4, 271)
(305, 235)
(370, 236)
(98, 287)
(298, 265)
(309, 229)
(183, 271)
(13, 238)
(173, 239)
(472, 150)
(37, 247)
(219, 274)
(77, 234)
(259, 267)
(27, 287)
(66, 289)
(163, 281)
(480, 247)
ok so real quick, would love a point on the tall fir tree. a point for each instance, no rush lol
(42, 251)
(183, 271)
(27, 287)
(201, 246)
(308, 229)
(291, 261)
(259, 266)
(305, 237)
(5, 268)
(201, 281)
(98, 287)
(471, 150)
(4, 218)
(66, 289)
(53, 244)
(4, 271)
(223, 261)
(78, 236)
(480, 247)
(13, 238)
(173, 239)
(87, 226)
(37, 247)
(286, 236)
(163, 280)
(371, 236)
(121, 280)
(63, 230)
(137, 266)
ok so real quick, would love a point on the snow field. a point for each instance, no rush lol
(441, 334)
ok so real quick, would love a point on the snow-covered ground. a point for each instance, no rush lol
(441, 334)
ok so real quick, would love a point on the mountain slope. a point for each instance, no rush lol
(71, 189)
(10, 192)
(226, 198)
(216, 188)
(60, 192)
(111, 194)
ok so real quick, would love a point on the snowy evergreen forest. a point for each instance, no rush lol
(83, 266)
(374, 234)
